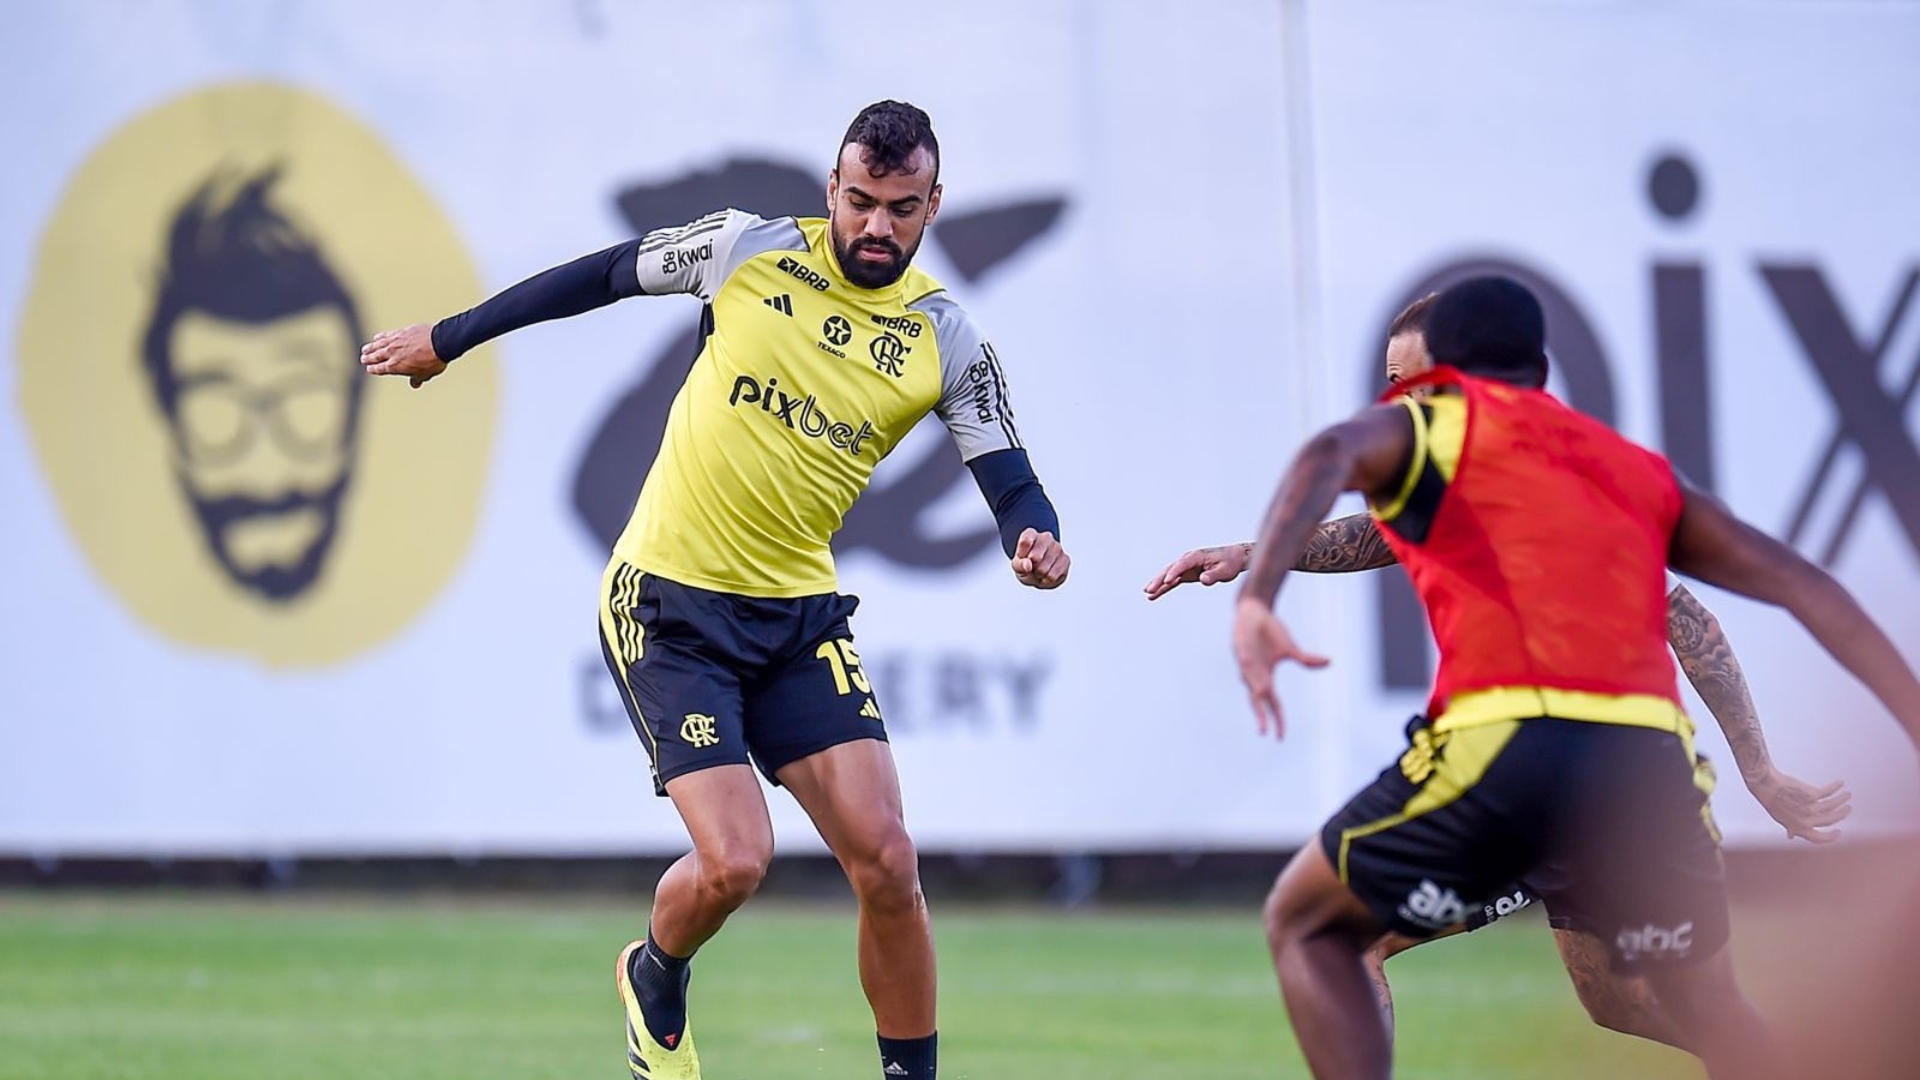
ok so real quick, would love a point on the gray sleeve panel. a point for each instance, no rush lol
(758, 236)
(973, 390)
(698, 257)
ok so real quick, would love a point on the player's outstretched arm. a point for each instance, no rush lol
(421, 352)
(1705, 655)
(1367, 453)
(1344, 546)
(1711, 544)
(1341, 546)
(1208, 566)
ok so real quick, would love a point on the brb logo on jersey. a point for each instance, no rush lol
(189, 370)
(895, 517)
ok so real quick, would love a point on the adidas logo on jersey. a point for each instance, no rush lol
(870, 710)
(894, 1068)
(782, 304)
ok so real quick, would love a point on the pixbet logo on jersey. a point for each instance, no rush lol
(803, 415)
(896, 518)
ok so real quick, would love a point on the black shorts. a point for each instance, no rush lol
(1549, 884)
(712, 678)
(1612, 813)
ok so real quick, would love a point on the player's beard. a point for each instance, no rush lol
(872, 275)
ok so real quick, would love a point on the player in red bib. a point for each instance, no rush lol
(1538, 540)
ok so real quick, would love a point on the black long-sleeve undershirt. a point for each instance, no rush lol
(1018, 501)
(591, 281)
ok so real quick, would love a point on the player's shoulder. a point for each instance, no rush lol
(959, 338)
(755, 234)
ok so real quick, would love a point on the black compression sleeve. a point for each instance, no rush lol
(588, 282)
(1019, 502)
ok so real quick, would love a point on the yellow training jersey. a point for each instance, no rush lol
(803, 383)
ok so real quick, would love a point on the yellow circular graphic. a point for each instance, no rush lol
(189, 369)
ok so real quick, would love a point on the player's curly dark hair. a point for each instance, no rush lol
(888, 132)
(1492, 326)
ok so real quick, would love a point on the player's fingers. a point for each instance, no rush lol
(416, 381)
(1306, 659)
(1830, 789)
(1816, 836)
(1024, 546)
(1829, 815)
(1055, 564)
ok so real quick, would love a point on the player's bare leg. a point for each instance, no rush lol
(852, 793)
(1386, 948)
(1319, 933)
(1623, 1003)
(1729, 1036)
(726, 816)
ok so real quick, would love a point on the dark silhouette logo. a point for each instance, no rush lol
(890, 517)
(837, 330)
(251, 353)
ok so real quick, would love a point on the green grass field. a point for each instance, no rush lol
(312, 989)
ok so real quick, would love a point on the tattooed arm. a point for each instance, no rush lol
(1715, 673)
(1345, 545)
(1368, 453)
(1341, 546)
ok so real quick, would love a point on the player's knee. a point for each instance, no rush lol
(731, 876)
(1282, 918)
(1617, 1012)
(886, 873)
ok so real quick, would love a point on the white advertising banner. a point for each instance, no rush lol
(1184, 227)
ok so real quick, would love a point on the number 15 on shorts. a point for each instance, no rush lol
(848, 677)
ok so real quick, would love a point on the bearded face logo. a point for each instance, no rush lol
(251, 356)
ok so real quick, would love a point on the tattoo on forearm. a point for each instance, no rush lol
(1715, 673)
(1345, 545)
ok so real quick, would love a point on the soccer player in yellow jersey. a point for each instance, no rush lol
(1620, 1000)
(721, 618)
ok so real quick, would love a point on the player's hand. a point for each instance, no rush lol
(1039, 560)
(1260, 642)
(1208, 566)
(1806, 811)
(407, 351)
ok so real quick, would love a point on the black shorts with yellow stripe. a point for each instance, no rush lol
(1549, 884)
(711, 678)
(1612, 811)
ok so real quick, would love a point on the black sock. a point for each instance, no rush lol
(908, 1059)
(660, 982)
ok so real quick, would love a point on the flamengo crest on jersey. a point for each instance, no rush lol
(803, 385)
